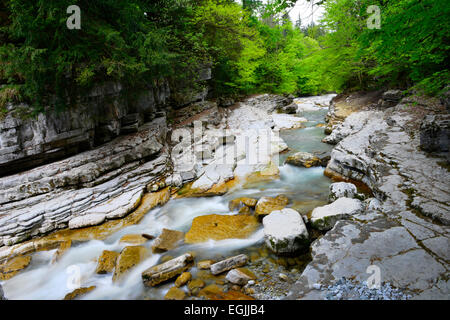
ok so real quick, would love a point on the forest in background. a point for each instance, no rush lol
(254, 47)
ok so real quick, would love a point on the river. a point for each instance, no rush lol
(306, 189)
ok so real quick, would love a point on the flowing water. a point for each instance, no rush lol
(306, 188)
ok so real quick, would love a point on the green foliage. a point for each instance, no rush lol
(252, 47)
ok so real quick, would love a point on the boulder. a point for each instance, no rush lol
(228, 264)
(266, 205)
(240, 276)
(106, 262)
(167, 240)
(87, 220)
(391, 98)
(175, 294)
(304, 159)
(341, 190)
(435, 133)
(285, 231)
(78, 292)
(128, 258)
(289, 109)
(220, 227)
(167, 270)
(325, 217)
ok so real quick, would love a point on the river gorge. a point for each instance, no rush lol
(341, 187)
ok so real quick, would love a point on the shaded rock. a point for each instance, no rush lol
(128, 258)
(285, 231)
(134, 239)
(391, 98)
(106, 262)
(13, 266)
(175, 294)
(289, 109)
(304, 159)
(78, 292)
(240, 202)
(167, 240)
(228, 264)
(240, 276)
(435, 133)
(341, 190)
(220, 227)
(166, 271)
(87, 220)
(324, 218)
(183, 279)
(266, 205)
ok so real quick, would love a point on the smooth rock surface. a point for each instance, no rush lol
(285, 231)
(324, 218)
(168, 270)
(341, 190)
(229, 263)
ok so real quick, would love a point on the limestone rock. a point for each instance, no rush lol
(184, 278)
(240, 276)
(87, 220)
(78, 292)
(228, 264)
(220, 227)
(128, 258)
(175, 294)
(304, 159)
(285, 231)
(167, 270)
(13, 266)
(324, 218)
(167, 240)
(266, 205)
(341, 190)
(106, 262)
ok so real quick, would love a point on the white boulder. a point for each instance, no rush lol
(285, 231)
(341, 190)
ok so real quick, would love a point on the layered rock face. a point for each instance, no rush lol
(104, 183)
(98, 117)
(405, 232)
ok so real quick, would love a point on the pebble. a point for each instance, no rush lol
(283, 277)
(345, 289)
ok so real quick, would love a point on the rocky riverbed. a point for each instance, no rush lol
(195, 216)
